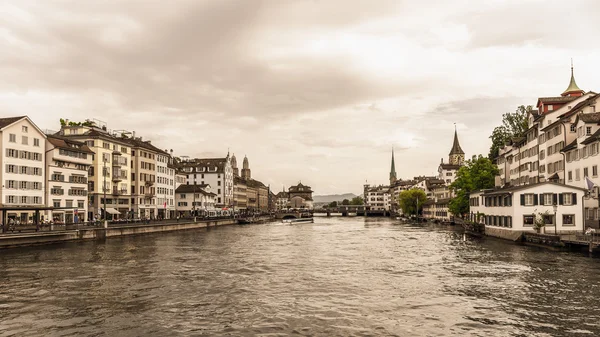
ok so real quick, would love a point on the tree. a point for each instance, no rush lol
(357, 201)
(345, 202)
(513, 125)
(477, 173)
(407, 200)
(333, 204)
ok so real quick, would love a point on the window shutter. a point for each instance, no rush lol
(522, 199)
(541, 198)
(560, 199)
(574, 198)
(535, 199)
(554, 199)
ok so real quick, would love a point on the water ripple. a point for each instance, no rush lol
(336, 277)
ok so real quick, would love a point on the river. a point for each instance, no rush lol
(336, 277)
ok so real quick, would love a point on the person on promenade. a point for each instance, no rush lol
(177, 217)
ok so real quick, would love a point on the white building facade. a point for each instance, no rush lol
(23, 170)
(517, 208)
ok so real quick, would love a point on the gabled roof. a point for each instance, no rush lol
(69, 144)
(282, 195)
(305, 188)
(220, 163)
(592, 138)
(145, 144)
(254, 183)
(588, 118)
(4, 122)
(512, 189)
(191, 188)
(449, 166)
(571, 146)
(554, 100)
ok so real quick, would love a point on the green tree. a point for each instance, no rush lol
(407, 200)
(476, 174)
(345, 202)
(357, 201)
(513, 125)
(333, 204)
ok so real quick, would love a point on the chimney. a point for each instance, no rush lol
(133, 135)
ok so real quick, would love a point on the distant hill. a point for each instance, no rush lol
(333, 197)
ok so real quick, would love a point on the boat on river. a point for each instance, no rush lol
(299, 220)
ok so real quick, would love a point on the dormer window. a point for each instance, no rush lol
(573, 128)
(550, 107)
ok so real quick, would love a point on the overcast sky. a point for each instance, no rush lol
(310, 90)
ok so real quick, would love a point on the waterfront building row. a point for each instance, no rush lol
(558, 154)
(86, 171)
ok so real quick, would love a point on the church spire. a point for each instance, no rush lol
(573, 89)
(393, 177)
(457, 155)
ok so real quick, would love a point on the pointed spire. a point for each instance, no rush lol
(393, 176)
(456, 149)
(573, 88)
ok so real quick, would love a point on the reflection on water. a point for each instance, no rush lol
(336, 277)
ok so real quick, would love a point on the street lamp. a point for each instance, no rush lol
(194, 202)
(555, 207)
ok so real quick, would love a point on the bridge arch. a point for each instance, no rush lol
(289, 216)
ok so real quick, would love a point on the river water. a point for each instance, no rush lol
(336, 277)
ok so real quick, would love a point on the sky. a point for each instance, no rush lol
(309, 90)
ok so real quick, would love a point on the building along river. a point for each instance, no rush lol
(336, 277)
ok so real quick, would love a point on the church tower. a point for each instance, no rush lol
(573, 90)
(393, 177)
(234, 167)
(246, 169)
(457, 155)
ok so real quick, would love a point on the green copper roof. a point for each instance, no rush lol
(572, 85)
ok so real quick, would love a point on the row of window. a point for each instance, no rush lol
(12, 153)
(585, 173)
(23, 185)
(581, 153)
(73, 154)
(68, 203)
(197, 204)
(107, 146)
(548, 199)
(36, 171)
(24, 139)
(23, 200)
(165, 170)
(162, 190)
(548, 219)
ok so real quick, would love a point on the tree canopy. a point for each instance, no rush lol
(345, 202)
(477, 173)
(407, 200)
(357, 201)
(513, 125)
(333, 204)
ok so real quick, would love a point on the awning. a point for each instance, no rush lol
(110, 210)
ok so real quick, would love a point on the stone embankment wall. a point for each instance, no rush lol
(39, 238)
(503, 233)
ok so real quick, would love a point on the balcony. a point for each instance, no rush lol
(149, 182)
(118, 192)
(149, 194)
